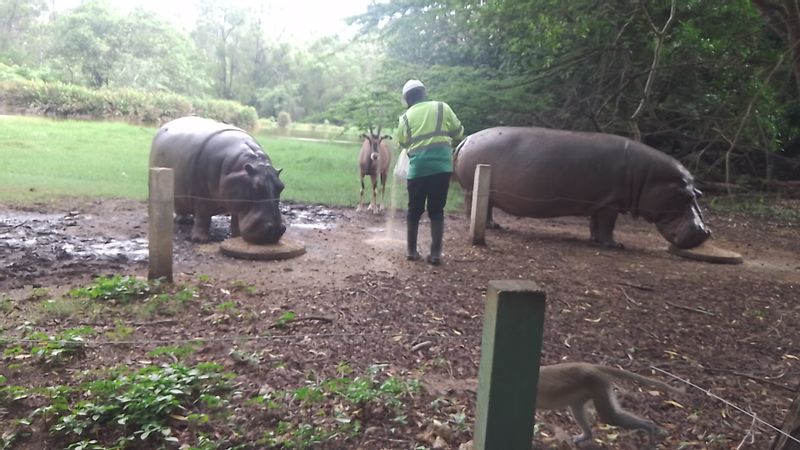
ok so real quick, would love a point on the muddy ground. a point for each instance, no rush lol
(731, 329)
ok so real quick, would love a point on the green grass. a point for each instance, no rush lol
(44, 160)
(754, 205)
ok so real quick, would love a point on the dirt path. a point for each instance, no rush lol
(727, 328)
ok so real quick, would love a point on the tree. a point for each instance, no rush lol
(220, 30)
(17, 22)
(783, 16)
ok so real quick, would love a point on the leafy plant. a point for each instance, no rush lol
(6, 304)
(39, 293)
(351, 396)
(137, 405)
(243, 286)
(56, 349)
(123, 289)
(176, 352)
(285, 318)
(121, 332)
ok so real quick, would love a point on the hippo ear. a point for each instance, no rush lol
(386, 136)
(698, 193)
(365, 136)
(279, 171)
(251, 170)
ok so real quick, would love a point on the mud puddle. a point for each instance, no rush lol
(35, 244)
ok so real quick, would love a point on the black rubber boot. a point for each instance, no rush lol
(411, 241)
(437, 234)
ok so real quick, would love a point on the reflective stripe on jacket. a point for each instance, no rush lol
(429, 124)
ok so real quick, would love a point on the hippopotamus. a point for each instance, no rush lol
(219, 168)
(540, 173)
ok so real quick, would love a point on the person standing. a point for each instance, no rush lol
(426, 131)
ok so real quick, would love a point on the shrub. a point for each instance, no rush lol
(284, 120)
(149, 108)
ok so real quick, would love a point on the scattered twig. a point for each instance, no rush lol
(302, 319)
(690, 309)
(155, 322)
(630, 300)
(421, 346)
(371, 295)
(636, 286)
(749, 437)
(653, 335)
(750, 377)
(130, 324)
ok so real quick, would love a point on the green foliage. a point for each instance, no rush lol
(753, 205)
(150, 108)
(350, 395)
(285, 318)
(6, 304)
(59, 348)
(95, 45)
(176, 352)
(135, 406)
(122, 289)
(584, 65)
(120, 332)
(284, 120)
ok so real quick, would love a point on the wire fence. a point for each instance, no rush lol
(421, 339)
(589, 204)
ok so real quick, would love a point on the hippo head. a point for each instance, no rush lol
(254, 195)
(672, 206)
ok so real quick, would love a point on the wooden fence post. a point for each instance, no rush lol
(161, 206)
(480, 204)
(509, 370)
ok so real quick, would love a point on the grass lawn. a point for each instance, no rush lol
(44, 160)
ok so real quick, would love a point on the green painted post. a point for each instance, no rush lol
(509, 370)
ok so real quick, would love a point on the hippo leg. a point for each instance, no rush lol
(490, 223)
(183, 219)
(235, 225)
(200, 230)
(602, 227)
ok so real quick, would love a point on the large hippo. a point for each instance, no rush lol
(218, 169)
(539, 172)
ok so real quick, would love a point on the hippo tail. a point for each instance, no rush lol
(453, 175)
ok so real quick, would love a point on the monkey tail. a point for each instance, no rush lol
(641, 379)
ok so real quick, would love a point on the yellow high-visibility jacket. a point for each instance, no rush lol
(426, 130)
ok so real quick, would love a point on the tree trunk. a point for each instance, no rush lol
(783, 16)
(791, 426)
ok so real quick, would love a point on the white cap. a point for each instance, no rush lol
(412, 84)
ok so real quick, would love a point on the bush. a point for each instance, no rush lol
(149, 108)
(284, 120)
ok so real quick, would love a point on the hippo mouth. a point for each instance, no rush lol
(270, 236)
(258, 231)
(687, 230)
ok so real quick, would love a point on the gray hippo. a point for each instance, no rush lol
(539, 172)
(218, 169)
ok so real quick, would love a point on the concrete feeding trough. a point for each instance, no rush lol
(707, 252)
(286, 248)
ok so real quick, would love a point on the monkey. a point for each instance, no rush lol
(573, 385)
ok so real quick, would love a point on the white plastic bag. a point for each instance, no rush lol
(401, 167)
